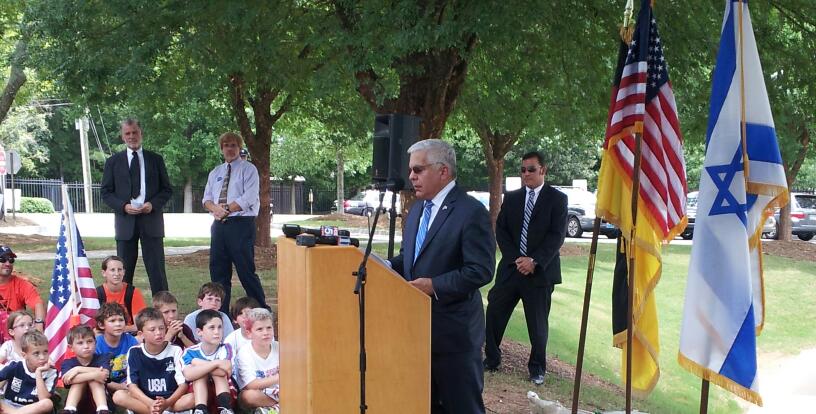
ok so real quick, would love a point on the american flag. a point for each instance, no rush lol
(644, 103)
(72, 299)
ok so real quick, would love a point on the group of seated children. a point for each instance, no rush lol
(201, 364)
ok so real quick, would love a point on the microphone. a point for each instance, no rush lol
(329, 235)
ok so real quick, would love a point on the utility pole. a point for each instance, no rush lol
(82, 125)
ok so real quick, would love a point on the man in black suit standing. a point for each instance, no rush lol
(136, 187)
(530, 230)
(448, 252)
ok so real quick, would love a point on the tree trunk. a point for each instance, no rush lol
(188, 194)
(792, 170)
(16, 79)
(292, 199)
(495, 147)
(258, 141)
(341, 190)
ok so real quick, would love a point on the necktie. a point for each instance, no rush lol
(222, 199)
(423, 227)
(528, 211)
(135, 176)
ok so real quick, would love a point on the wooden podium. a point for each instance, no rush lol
(318, 323)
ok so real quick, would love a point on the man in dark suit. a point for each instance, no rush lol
(530, 230)
(136, 187)
(448, 252)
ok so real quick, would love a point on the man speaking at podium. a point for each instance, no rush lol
(448, 252)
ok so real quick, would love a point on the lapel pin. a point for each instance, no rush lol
(444, 207)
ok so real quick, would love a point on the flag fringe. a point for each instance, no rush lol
(720, 380)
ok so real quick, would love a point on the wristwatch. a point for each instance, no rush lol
(38, 320)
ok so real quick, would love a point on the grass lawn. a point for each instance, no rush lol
(678, 391)
(108, 243)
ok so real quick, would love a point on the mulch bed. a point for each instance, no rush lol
(795, 249)
(265, 258)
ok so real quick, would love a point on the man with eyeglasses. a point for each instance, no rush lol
(17, 293)
(530, 230)
(448, 252)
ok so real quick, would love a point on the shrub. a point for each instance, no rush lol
(36, 205)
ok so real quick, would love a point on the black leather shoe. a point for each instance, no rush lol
(537, 379)
(490, 368)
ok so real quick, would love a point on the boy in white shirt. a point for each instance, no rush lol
(258, 364)
(209, 362)
(239, 311)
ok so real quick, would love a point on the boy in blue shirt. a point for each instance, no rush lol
(155, 383)
(114, 342)
(29, 382)
(86, 373)
(209, 361)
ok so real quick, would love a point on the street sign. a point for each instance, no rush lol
(13, 163)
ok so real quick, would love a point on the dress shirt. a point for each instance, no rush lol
(438, 199)
(141, 198)
(242, 189)
(537, 191)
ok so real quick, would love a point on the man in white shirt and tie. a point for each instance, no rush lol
(530, 230)
(232, 197)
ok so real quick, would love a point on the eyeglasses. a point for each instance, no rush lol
(418, 169)
(530, 169)
(6, 259)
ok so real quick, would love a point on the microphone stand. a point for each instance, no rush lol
(359, 290)
(392, 223)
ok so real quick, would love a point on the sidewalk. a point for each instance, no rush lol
(176, 225)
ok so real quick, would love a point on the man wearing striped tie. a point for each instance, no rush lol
(530, 230)
(448, 252)
(232, 197)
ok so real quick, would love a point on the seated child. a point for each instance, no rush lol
(19, 322)
(29, 383)
(209, 361)
(155, 381)
(86, 373)
(209, 297)
(177, 332)
(258, 364)
(114, 289)
(114, 343)
(239, 311)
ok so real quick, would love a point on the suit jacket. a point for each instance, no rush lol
(545, 234)
(116, 193)
(459, 254)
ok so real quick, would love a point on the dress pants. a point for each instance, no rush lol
(152, 256)
(457, 382)
(232, 242)
(502, 299)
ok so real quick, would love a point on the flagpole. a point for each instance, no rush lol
(631, 279)
(579, 365)
(69, 243)
(743, 132)
(626, 36)
(704, 397)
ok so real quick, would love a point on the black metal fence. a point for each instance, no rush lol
(286, 198)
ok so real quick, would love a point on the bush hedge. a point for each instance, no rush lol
(36, 205)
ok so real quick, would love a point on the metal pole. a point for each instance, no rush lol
(579, 365)
(631, 280)
(82, 125)
(704, 397)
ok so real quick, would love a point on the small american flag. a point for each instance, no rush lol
(72, 298)
(644, 102)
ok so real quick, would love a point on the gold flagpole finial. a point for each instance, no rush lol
(627, 28)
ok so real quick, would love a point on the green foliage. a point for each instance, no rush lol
(36, 205)
(23, 130)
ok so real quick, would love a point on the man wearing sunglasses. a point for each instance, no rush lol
(448, 252)
(530, 230)
(17, 293)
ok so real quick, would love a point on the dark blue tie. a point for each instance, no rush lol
(528, 212)
(423, 227)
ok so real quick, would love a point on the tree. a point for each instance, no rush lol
(13, 30)
(254, 60)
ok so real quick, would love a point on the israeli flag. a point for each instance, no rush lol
(741, 180)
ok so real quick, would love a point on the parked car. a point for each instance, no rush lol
(803, 215)
(366, 202)
(482, 196)
(768, 229)
(581, 213)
